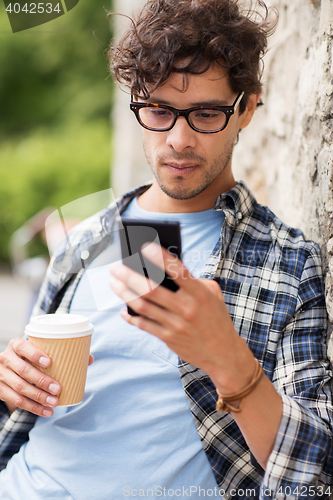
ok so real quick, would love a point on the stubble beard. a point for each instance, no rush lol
(180, 189)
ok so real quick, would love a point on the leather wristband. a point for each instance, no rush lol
(223, 400)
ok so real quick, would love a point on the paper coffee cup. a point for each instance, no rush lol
(65, 338)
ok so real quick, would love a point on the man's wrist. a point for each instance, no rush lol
(239, 372)
(233, 402)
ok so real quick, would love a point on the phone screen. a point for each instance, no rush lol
(135, 233)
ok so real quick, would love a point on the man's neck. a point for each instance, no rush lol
(155, 200)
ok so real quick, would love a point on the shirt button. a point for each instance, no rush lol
(85, 255)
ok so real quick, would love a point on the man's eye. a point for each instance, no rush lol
(207, 115)
(159, 112)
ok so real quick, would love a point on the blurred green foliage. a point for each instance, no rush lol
(55, 97)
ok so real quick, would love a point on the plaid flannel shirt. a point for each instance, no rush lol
(271, 279)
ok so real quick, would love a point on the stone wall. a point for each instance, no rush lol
(129, 165)
(286, 154)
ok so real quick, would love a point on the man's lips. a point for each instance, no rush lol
(181, 167)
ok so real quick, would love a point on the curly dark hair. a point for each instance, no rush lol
(197, 33)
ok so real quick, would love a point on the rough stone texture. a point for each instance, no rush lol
(286, 154)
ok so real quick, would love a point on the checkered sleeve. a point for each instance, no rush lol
(4, 414)
(302, 458)
(14, 432)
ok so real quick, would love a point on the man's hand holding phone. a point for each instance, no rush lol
(193, 321)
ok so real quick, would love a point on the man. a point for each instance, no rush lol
(176, 402)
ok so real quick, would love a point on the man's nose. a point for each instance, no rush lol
(181, 136)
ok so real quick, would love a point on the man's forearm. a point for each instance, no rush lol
(261, 409)
(259, 419)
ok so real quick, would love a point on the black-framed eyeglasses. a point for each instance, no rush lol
(204, 119)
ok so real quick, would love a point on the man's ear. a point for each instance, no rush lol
(246, 117)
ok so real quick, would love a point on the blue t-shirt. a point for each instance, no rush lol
(133, 435)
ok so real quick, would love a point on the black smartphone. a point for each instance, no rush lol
(134, 233)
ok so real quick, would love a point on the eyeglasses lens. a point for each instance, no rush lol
(156, 118)
(205, 119)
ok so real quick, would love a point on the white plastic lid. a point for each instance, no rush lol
(59, 326)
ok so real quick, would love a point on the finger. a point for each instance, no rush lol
(170, 336)
(91, 359)
(146, 324)
(43, 391)
(173, 266)
(125, 279)
(26, 349)
(10, 363)
(22, 388)
(133, 280)
(9, 395)
(154, 305)
(130, 286)
(185, 280)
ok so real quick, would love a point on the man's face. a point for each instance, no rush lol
(186, 163)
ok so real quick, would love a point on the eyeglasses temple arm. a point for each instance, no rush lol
(238, 100)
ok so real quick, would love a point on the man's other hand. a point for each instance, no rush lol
(23, 385)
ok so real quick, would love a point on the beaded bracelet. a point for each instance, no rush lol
(224, 400)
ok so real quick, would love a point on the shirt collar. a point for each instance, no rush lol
(239, 201)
